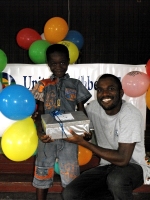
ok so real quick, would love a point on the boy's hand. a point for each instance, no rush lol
(45, 138)
(34, 116)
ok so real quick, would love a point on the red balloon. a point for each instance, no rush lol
(26, 37)
(148, 67)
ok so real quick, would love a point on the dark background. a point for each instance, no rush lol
(114, 31)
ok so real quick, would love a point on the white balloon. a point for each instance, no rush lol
(5, 123)
(42, 36)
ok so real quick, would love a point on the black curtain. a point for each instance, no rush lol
(114, 31)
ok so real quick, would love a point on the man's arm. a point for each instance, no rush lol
(80, 107)
(120, 157)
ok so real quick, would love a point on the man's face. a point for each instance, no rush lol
(109, 96)
(58, 64)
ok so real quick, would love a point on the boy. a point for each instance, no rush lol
(59, 93)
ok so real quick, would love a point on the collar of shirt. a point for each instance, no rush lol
(66, 76)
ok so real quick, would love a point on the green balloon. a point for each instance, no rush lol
(3, 60)
(37, 51)
(56, 167)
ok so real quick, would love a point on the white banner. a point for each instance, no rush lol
(29, 74)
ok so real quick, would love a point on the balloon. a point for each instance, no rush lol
(20, 141)
(148, 98)
(135, 83)
(1, 151)
(73, 51)
(76, 38)
(42, 36)
(5, 123)
(148, 67)
(56, 167)
(34, 154)
(37, 51)
(55, 29)
(84, 155)
(17, 102)
(26, 37)
(3, 60)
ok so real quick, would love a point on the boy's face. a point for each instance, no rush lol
(58, 63)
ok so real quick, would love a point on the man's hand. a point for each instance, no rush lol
(87, 136)
(77, 139)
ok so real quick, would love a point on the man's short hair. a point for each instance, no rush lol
(115, 78)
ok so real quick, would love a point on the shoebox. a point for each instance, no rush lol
(58, 126)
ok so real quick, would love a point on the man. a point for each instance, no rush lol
(119, 129)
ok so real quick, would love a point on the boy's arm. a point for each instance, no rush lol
(80, 107)
(37, 119)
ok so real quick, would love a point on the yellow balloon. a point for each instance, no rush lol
(73, 50)
(20, 141)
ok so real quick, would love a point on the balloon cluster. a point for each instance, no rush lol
(56, 30)
(136, 83)
(19, 137)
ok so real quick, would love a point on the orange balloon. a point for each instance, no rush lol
(55, 30)
(84, 155)
(148, 98)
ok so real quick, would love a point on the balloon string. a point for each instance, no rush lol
(56, 114)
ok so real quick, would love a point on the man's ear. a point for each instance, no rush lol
(121, 93)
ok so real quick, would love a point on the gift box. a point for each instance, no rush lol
(58, 126)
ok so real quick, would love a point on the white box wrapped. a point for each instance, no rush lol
(58, 127)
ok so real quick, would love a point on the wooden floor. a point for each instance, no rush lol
(53, 196)
(27, 196)
(16, 181)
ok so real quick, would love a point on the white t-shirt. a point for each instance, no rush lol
(127, 126)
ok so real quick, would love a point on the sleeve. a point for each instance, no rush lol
(38, 91)
(82, 93)
(87, 108)
(131, 128)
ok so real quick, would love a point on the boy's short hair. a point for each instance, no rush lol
(57, 48)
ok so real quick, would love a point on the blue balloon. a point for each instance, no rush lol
(75, 37)
(17, 102)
